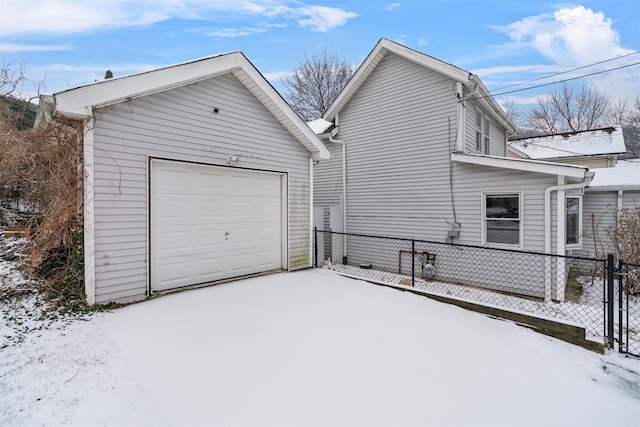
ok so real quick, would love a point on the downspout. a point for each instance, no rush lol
(461, 118)
(620, 199)
(311, 224)
(344, 185)
(344, 192)
(547, 225)
(88, 214)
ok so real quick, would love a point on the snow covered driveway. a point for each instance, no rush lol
(308, 348)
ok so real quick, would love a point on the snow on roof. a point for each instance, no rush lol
(575, 144)
(319, 126)
(627, 163)
(616, 177)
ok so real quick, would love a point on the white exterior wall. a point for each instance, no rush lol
(399, 129)
(180, 124)
(599, 210)
(327, 178)
(590, 162)
(398, 161)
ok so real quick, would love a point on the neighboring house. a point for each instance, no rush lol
(596, 148)
(419, 150)
(194, 173)
(612, 188)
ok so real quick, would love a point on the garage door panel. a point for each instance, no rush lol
(268, 260)
(211, 268)
(173, 241)
(172, 210)
(211, 240)
(209, 209)
(174, 270)
(268, 234)
(173, 179)
(210, 223)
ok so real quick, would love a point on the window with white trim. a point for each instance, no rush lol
(483, 132)
(573, 222)
(502, 220)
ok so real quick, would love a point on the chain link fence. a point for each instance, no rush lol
(561, 287)
(628, 326)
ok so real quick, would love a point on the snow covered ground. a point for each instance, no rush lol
(587, 311)
(311, 348)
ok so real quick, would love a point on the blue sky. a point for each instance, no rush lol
(67, 43)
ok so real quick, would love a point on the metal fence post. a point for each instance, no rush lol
(315, 247)
(413, 263)
(621, 342)
(610, 299)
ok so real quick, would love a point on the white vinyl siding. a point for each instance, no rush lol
(180, 124)
(590, 162)
(599, 211)
(327, 178)
(399, 128)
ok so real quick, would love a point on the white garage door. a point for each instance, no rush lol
(210, 223)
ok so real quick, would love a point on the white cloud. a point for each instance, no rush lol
(77, 16)
(572, 37)
(231, 32)
(22, 47)
(322, 19)
(422, 42)
(392, 6)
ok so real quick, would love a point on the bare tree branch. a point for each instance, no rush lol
(315, 84)
(566, 110)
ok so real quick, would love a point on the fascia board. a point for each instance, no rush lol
(489, 103)
(383, 47)
(77, 102)
(449, 70)
(522, 165)
(614, 188)
(355, 81)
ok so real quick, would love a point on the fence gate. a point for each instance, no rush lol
(629, 308)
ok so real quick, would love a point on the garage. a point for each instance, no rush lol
(193, 173)
(209, 223)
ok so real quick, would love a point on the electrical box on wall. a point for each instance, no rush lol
(455, 234)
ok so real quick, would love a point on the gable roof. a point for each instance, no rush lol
(385, 46)
(596, 142)
(80, 101)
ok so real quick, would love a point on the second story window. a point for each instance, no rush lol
(483, 132)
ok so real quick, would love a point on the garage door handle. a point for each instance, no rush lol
(226, 236)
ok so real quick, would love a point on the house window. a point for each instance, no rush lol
(502, 219)
(573, 223)
(483, 132)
